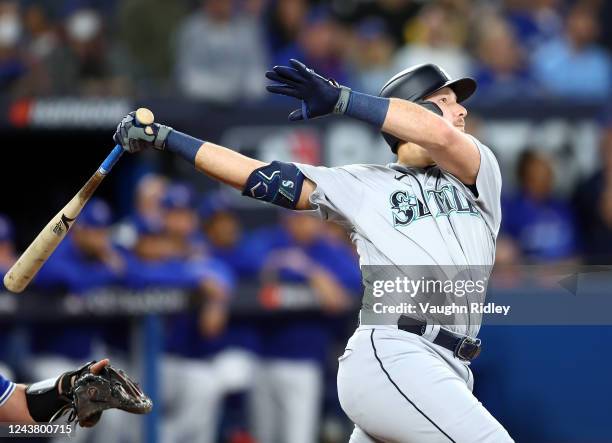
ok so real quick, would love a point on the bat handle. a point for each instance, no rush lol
(110, 161)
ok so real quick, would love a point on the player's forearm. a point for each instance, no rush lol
(405, 120)
(225, 165)
(242, 172)
(278, 183)
(412, 123)
(15, 409)
(218, 162)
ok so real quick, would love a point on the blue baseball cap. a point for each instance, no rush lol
(179, 196)
(6, 229)
(96, 214)
(317, 15)
(371, 27)
(146, 226)
(214, 203)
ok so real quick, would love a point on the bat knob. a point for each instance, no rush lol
(144, 117)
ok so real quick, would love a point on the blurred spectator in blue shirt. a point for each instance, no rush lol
(180, 220)
(165, 259)
(7, 259)
(284, 20)
(84, 261)
(501, 70)
(319, 45)
(7, 248)
(224, 237)
(436, 35)
(541, 224)
(373, 55)
(294, 344)
(221, 54)
(146, 205)
(397, 14)
(593, 206)
(12, 63)
(535, 22)
(574, 65)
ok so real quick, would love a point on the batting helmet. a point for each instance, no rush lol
(417, 82)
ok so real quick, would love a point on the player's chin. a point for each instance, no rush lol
(460, 127)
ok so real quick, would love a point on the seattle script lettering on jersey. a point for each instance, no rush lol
(407, 207)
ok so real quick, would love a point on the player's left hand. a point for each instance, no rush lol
(134, 137)
(320, 96)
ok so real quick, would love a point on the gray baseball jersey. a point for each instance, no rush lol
(412, 217)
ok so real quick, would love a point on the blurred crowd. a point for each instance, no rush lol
(218, 50)
(277, 369)
(177, 240)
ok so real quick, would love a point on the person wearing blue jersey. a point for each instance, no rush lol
(7, 258)
(85, 261)
(164, 258)
(288, 387)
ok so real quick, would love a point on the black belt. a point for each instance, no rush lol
(465, 348)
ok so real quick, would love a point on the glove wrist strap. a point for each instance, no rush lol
(343, 100)
(44, 400)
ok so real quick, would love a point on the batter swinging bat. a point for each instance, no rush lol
(26, 267)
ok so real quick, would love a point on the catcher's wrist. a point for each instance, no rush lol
(44, 399)
(184, 145)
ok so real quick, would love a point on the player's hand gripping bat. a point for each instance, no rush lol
(26, 267)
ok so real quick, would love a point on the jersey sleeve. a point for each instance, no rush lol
(7, 388)
(338, 193)
(488, 185)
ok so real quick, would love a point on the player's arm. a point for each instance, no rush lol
(15, 409)
(450, 148)
(40, 401)
(234, 169)
(407, 121)
(277, 182)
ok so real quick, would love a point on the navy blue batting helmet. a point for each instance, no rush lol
(417, 82)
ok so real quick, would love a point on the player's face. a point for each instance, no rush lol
(452, 111)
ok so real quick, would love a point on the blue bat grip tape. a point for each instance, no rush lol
(110, 161)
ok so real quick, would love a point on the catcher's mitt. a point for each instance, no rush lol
(91, 394)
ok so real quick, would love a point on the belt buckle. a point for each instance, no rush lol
(468, 348)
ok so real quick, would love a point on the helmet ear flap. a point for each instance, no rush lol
(393, 141)
(430, 106)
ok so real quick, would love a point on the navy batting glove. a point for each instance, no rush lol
(320, 96)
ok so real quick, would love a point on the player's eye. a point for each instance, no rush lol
(444, 100)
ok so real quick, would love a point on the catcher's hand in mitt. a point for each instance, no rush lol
(95, 387)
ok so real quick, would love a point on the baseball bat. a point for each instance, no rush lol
(37, 253)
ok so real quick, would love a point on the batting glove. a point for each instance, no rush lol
(134, 137)
(320, 96)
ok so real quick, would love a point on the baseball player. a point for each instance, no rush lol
(438, 205)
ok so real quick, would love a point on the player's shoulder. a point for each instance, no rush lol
(366, 168)
(481, 145)
(6, 389)
(357, 171)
